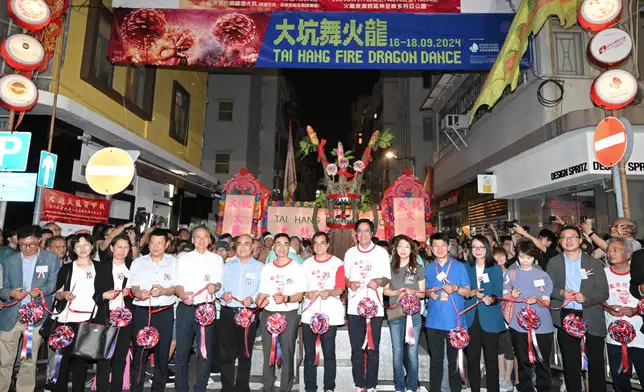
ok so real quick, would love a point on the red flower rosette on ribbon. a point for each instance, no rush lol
(205, 315)
(148, 337)
(576, 327)
(622, 332)
(368, 309)
(245, 318)
(120, 317)
(529, 320)
(319, 325)
(29, 314)
(62, 337)
(276, 325)
(410, 305)
(459, 338)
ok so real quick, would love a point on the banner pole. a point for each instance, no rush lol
(622, 179)
(59, 68)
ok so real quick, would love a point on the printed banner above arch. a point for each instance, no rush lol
(415, 6)
(330, 40)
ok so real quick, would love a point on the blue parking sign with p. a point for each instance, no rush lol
(14, 150)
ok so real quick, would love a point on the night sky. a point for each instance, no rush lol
(325, 99)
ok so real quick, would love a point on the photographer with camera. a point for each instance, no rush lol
(128, 231)
(622, 228)
(546, 242)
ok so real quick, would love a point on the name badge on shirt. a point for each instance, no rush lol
(249, 278)
(443, 296)
(441, 277)
(539, 283)
(485, 278)
(584, 274)
(206, 278)
(42, 268)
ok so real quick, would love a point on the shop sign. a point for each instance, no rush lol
(610, 47)
(449, 200)
(569, 171)
(29, 14)
(18, 93)
(597, 15)
(631, 167)
(486, 183)
(22, 52)
(614, 89)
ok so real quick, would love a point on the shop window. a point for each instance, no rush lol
(222, 163)
(98, 71)
(225, 111)
(140, 88)
(180, 113)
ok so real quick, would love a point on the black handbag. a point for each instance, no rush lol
(93, 341)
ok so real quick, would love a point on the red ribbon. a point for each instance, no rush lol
(318, 349)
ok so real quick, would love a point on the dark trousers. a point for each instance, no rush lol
(214, 361)
(163, 322)
(541, 368)
(357, 333)
(490, 343)
(327, 341)
(187, 331)
(115, 365)
(78, 367)
(571, 357)
(622, 382)
(232, 348)
(287, 342)
(437, 340)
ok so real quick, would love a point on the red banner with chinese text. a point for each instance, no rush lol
(61, 207)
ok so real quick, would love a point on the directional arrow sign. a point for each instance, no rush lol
(47, 169)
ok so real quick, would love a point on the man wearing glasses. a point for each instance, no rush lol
(27, 275)
(580, 283)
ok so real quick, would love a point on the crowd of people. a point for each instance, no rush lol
(280, 283)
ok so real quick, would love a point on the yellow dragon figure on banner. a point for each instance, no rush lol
(529, 19)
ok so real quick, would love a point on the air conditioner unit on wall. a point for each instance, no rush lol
(458, 121)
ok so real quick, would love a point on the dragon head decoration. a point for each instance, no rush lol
(344, 197)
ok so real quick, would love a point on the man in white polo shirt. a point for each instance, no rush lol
(198, 278)
(152, 280)
(367, 271)
(325, 283)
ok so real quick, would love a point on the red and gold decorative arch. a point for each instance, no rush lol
(240, 192)
(406, 207)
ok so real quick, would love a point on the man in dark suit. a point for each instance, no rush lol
(579, 282)
(28, 274)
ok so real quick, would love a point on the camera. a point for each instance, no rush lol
(510, 224)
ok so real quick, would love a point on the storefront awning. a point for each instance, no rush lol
(113, 134)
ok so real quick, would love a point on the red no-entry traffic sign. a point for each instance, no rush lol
(610, 141)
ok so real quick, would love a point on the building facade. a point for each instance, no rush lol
(247, 124)
(526, 144)
(158, 112)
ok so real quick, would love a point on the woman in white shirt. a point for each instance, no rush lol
(110, 293)
(75, 296)
(281, 288)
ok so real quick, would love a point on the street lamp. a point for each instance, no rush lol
(388, 156)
